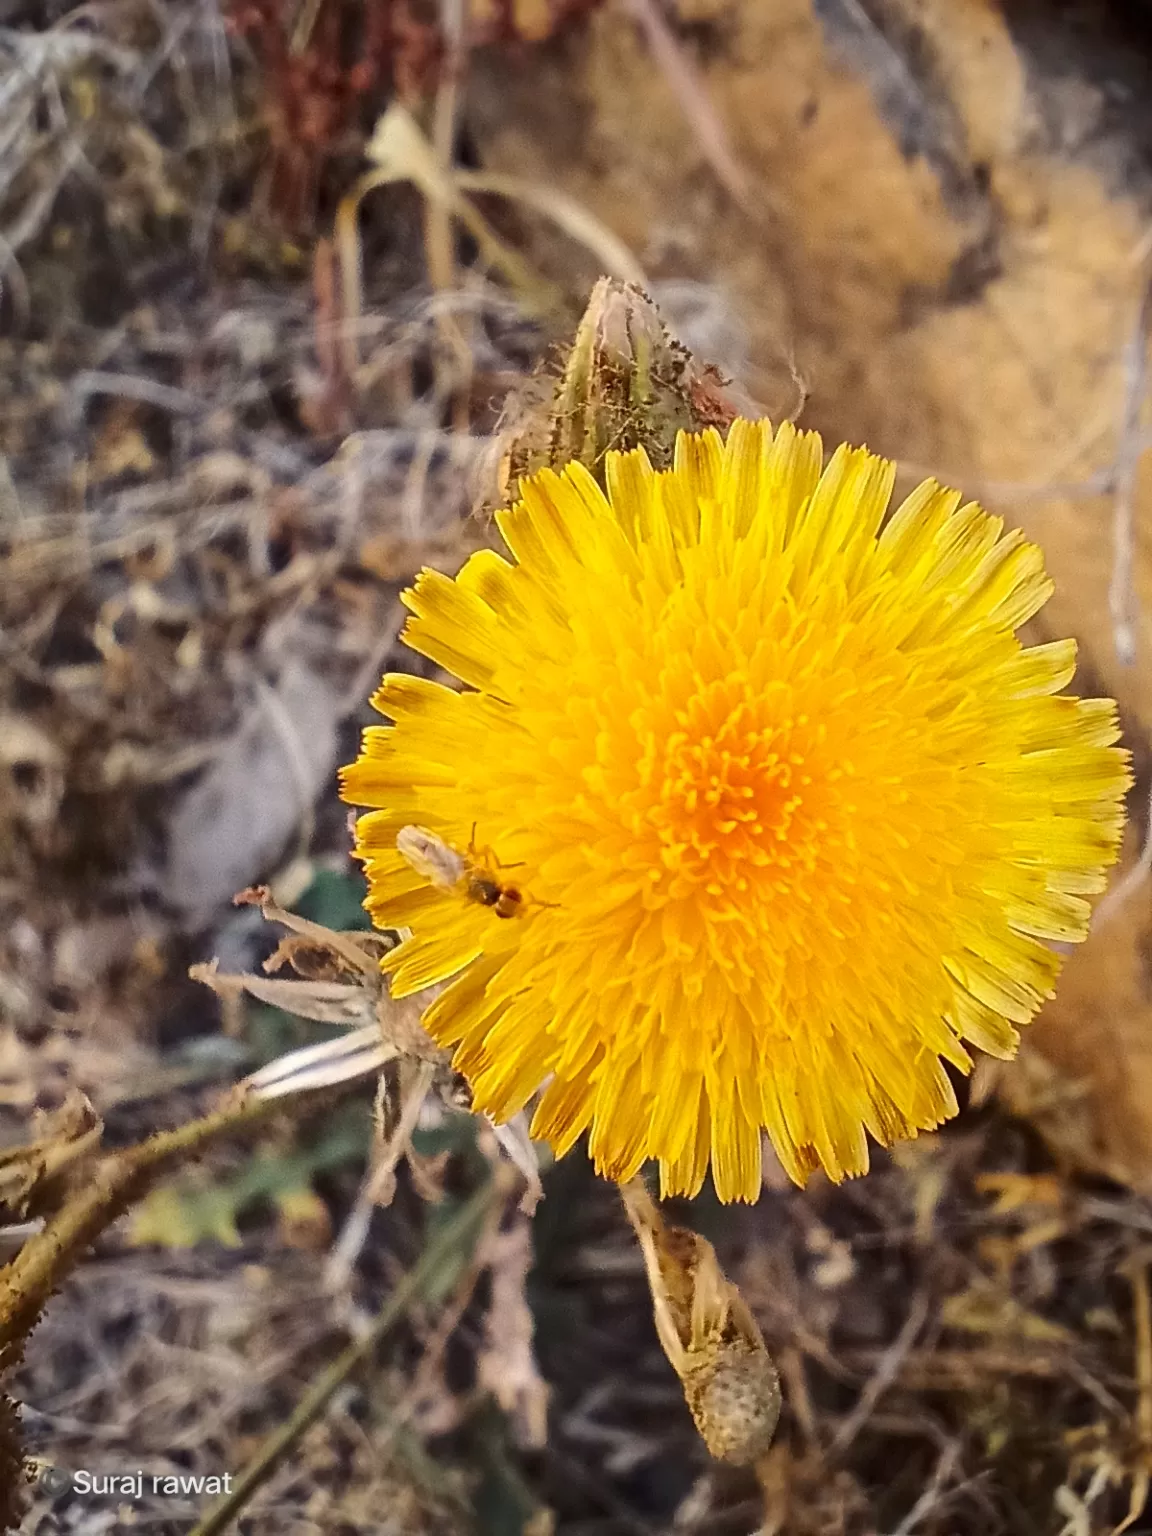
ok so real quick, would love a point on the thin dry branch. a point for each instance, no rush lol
(883, 1376)
(438, 236)
(693, 99)
(930, 1498)
(1142, 1474)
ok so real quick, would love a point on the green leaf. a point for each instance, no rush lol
(335, 899)
(180, 1216)
(189, 1211)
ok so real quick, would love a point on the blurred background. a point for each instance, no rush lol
(274, 276)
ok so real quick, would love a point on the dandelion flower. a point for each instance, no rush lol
(784, 811)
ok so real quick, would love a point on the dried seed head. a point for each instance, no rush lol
(733, 1394)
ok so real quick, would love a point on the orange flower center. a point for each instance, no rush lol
(725, 794)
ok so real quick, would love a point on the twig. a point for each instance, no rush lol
(576, 221)
(438, 235)
(13, 272)
(38, 207)
(693, 98)
(372, 665)
(456, 1239)
(1078, 1509)
(434, 1342)
(127, 386)
(303, 27)
(349, 1244)
(514, 1141)
(401, 152)
(883, 1376)
(357, 958)
(1142, 1319)
(416, 480)
(222, 117)
(945, 1467)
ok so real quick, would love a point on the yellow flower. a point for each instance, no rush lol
(753, 807)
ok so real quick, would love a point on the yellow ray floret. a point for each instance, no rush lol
(759, 806)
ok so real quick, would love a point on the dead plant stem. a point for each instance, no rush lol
(116, 1183)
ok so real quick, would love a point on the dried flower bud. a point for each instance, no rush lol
(730, 1384)
(627, 382)
(625, 325)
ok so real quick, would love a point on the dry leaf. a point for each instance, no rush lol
(304, 1221)
(380, 1029)
(243, 811)
(31, 774)
(506, 1364)
(326, 1002)
(120, 447)
(1086, 1081)
(986, 1309)
(397, 1115)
